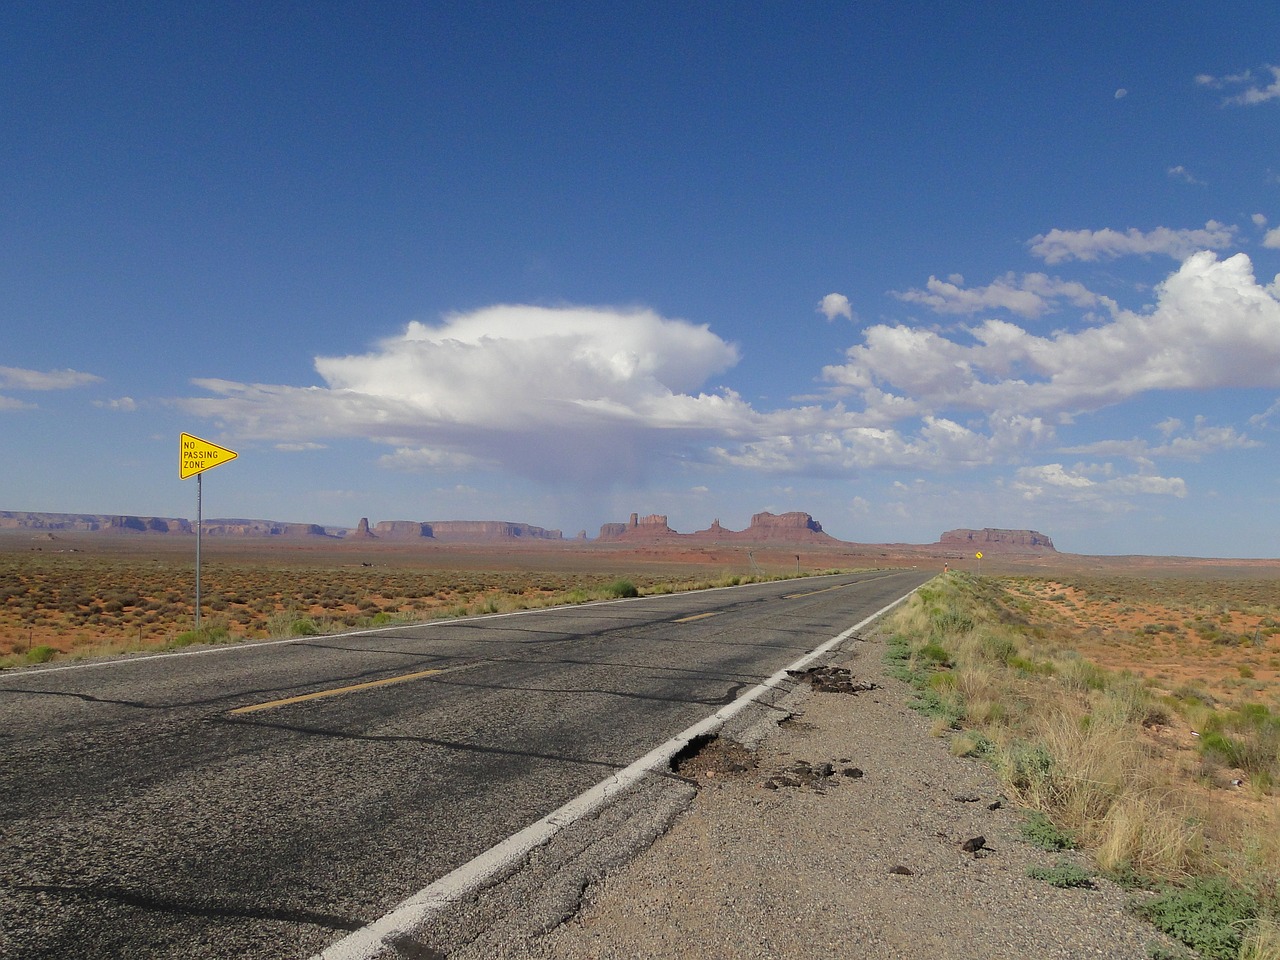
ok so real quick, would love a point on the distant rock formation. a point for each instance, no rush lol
(262, 528)
(998, 541)
(481, 531)
(461, 531)
(654, 526)
(786, 526)
(401, 530)
(765, 527)
(90, 522)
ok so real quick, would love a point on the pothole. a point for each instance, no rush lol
(802, 774)
(710, 757)
(830, 679)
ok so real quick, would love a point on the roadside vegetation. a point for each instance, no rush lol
(54, 607)
(1170, 782)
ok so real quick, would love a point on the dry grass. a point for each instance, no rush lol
(106, 598)
(1106, 750)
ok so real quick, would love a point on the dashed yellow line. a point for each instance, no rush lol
(336, 691)
(814, 593)
(697, 616)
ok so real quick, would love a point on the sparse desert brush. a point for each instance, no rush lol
(1261, 940)
(1070, 737)
(1154, 832)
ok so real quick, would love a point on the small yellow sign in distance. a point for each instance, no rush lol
(978, 554)
(196, 456)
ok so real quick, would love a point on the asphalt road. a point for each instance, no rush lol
(263, 800)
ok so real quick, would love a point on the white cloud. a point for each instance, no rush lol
(305, 446)
(1213, 326)
(1182, 173)
(1259, 220)
(1076, 485)
(121, 404)
(1271, 240)
(1121, 93)
(1254, 90)
(15, 378)
(1201, 441)
(565, 394)
(423, 458)
(9, 404)
(1058, 246)
(1264, 419)
(836, 305)
(1030, 296)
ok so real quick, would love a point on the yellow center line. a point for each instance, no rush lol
(336, 691)
(814, 593)
(697, 616)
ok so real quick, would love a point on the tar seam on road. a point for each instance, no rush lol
(367, 942)
(333, 692)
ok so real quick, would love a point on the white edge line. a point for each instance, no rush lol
(367, 942)
(243, 646)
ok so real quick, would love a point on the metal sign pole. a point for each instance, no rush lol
(195, 456)
(199, 524)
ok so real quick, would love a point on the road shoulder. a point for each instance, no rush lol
(778, 855)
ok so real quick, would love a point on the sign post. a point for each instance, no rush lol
(195, 456)
(979, 557)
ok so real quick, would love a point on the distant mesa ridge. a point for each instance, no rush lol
(991, 538)
(791, 527)
(457, 531)
(787, 528)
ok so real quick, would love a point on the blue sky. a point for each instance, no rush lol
(903, 267)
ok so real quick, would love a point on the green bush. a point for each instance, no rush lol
(621, 588)
(1063, 875)
(40, 654)
(1040, 831)
(1208, 916)
(214, 631)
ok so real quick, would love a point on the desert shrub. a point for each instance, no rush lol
(209, 631)
(1040, 831)
(40, 654)
(1064, 875)
(621, 588)
(1208, 915)
(1261, 940)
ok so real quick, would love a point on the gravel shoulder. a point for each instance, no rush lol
(776, 857)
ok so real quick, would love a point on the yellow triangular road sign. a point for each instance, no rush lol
(196, 456)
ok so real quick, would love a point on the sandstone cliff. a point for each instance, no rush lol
(654, 526)
(998, 541)
(480, 531)
(765, 527)
(262, 528)
(401, 530)
(90, 522)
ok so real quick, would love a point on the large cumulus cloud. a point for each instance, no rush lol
(558, 393)
(1213, 326)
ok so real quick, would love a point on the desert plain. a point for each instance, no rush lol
(1211, 622)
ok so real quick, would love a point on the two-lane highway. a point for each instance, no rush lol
(262, 800)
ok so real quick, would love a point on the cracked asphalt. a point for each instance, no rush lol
(144, 818)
